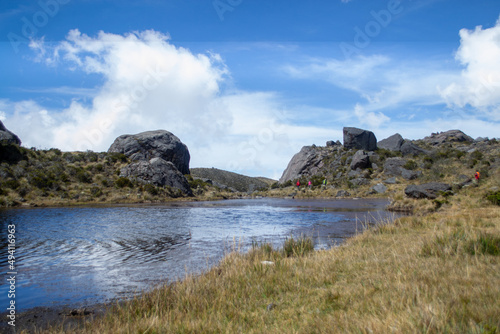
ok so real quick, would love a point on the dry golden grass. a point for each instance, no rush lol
(431, 274)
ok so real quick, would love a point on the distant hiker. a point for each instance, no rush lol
(477, 176)
(309, 184)
(298, 184)
(325, 182)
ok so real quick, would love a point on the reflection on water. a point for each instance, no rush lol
(79, 256)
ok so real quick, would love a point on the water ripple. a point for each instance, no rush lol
(87, 255)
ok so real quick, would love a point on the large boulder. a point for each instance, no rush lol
(448, 136)
(7, 137)
(395, 167)
(379, 188)
(307, 162)
(147, 145)
(427, 190)
(408, 148)
(158, 172)
(392, 143)
(355, 138)
(360, 160)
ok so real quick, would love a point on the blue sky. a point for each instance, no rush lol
(245, 84)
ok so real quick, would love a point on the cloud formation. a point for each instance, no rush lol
(479, 83)
(148, 84)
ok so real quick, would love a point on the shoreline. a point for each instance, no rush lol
(69, 316)
(46, 317)
(222, 197)
(415, 232)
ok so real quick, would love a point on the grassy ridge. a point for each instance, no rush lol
(439, 273)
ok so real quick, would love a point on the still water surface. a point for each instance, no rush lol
(86, 255)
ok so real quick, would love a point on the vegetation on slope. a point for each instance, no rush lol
(231, 180)
(51, 177)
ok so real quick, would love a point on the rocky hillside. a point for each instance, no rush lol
(229, 180)
(145, 167)
(363, 166)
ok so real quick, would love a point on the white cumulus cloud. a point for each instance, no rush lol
(479, 83)
(147, 84)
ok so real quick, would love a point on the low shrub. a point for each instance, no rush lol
(12, 184)
(410, 165)
(91, 156)
(197, 183)
(494, 197)
(123, 182)
(114, 157)
(150, 189)
(42, 180)
(83, 176)
(477, 155)
(69, 157)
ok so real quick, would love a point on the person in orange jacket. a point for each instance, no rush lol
(477, 176)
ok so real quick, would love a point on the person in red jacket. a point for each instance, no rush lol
(477, 176)
(298, 184)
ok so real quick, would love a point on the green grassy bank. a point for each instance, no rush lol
(438, 273)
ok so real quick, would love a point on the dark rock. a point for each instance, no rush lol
(332, 143)
(394, 166)
(409, 148)
(464, 180)
(353, 173)
(360, 181)
(379, 188)
(391, 180)
(355, 138)
(342, 193)
(410, 174)
(392, 143)
(7, 137)
(374, 157)
(158, 172)
(448, 136)
(427, 190)
(11, 153)
(360, 160)
(154, 144)
(307, 162)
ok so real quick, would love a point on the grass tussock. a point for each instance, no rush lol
(434, 274)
